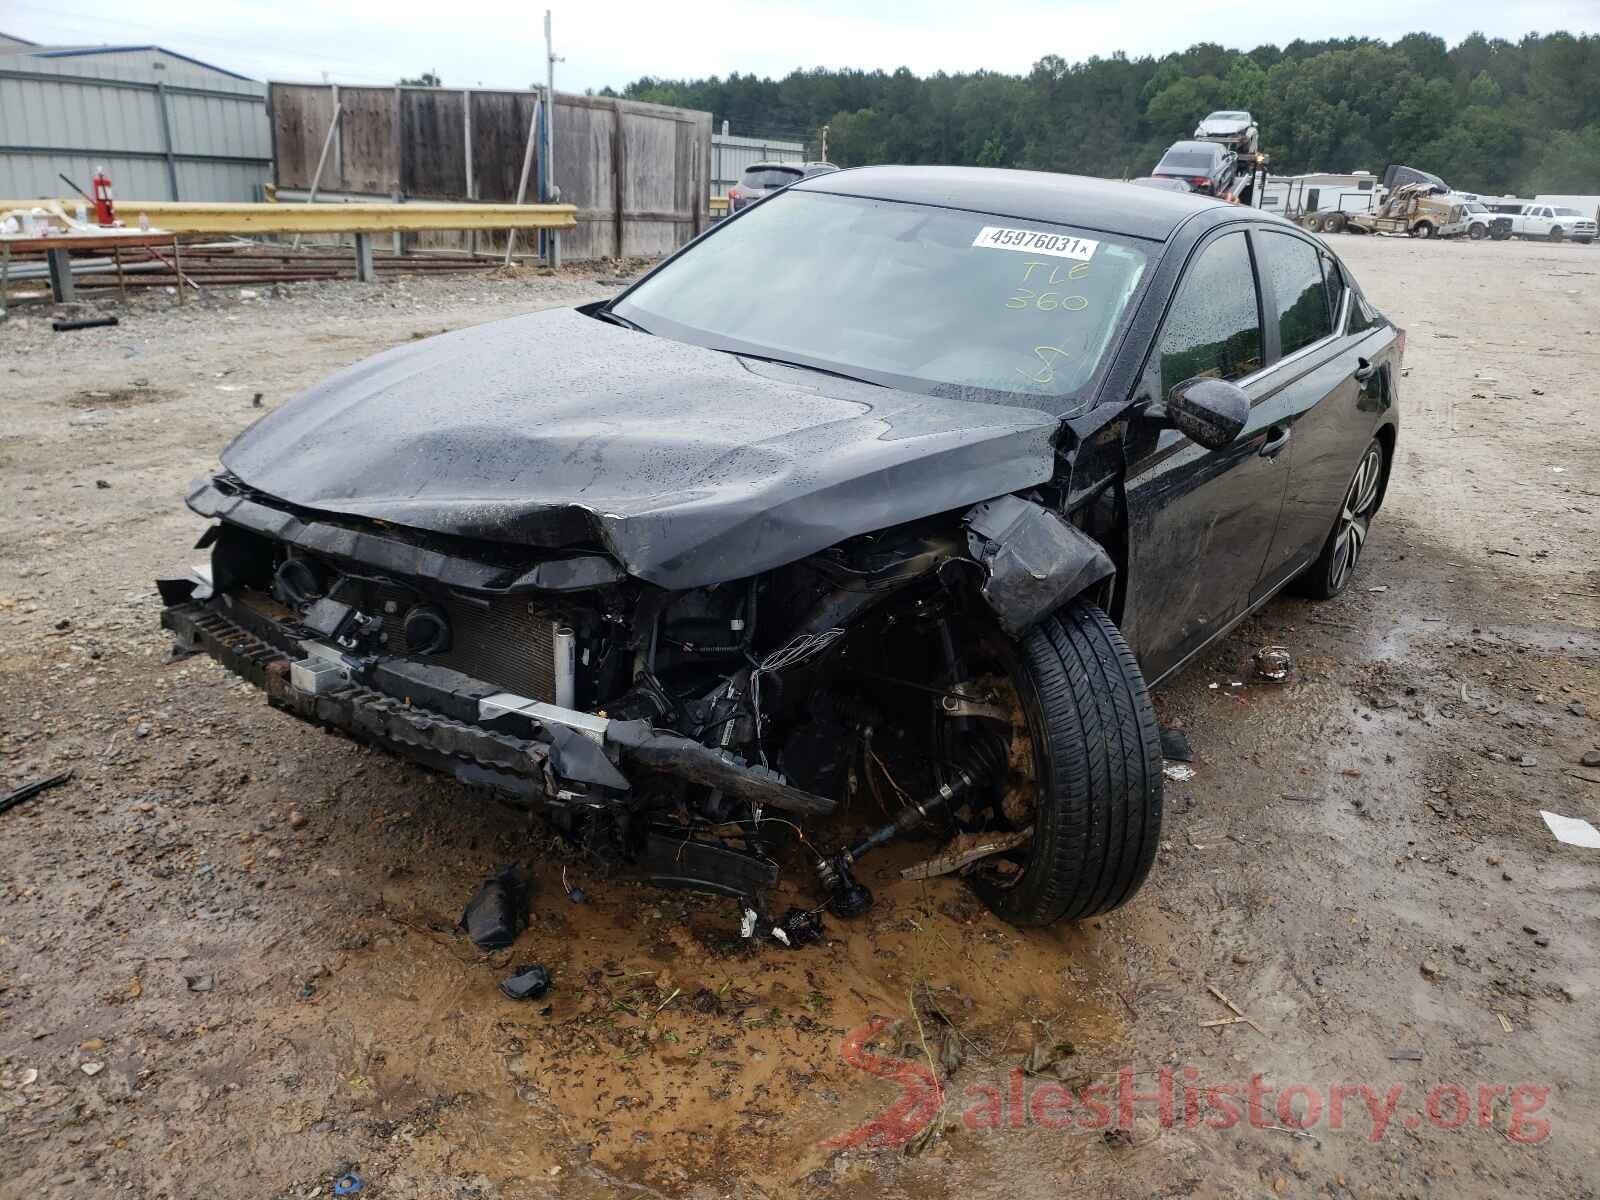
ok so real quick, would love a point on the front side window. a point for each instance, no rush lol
(1213, 329)
(936, 300)
(1292, 277)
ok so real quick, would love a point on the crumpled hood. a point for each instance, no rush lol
(691, 465)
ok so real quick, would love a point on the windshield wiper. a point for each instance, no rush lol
(605, 314)
(789, 362)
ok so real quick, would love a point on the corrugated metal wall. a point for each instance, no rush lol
(163, 127)
(730, 155)
(414, 141)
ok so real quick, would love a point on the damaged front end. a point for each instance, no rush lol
(658, 729)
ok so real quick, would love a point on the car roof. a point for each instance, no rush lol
(1108, 205)
(1193, 147)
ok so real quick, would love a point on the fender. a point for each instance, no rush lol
(1034, 560)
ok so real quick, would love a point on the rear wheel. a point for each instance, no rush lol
(1336, 565)
(1333, 223)
(1096, 771)
(1557, 234)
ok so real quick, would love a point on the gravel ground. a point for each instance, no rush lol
(227, 963)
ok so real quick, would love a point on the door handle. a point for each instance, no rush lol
(1365, 370)
(1277, 439)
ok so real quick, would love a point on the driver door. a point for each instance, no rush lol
(1200, 522)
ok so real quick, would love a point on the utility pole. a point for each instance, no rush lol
(824, 143)
(551, 192)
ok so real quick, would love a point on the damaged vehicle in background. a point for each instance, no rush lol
(907, 542)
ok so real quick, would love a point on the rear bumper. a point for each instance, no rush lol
(470, 729)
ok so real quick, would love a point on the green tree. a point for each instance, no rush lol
(426, 79)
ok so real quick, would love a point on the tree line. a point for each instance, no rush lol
(1488, 115)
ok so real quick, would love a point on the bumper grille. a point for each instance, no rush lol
(501, 640)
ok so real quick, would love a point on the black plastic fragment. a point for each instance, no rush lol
(1175, 746)
(529, 983)
(82, 323)
(499, 911)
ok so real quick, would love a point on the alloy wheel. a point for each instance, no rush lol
(1355, 518)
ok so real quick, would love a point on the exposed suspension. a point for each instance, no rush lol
(980, 765)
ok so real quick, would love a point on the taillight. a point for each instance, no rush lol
(733, 193)
(1201, 181)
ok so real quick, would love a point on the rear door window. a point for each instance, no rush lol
(1213, 329)
(1292, 277)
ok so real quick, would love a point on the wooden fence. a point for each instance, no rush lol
(639, 174)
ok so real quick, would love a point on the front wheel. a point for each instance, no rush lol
(1422, 229)
(1096, 764)
(1478, 232)
(1336, 565)
(1557, 234)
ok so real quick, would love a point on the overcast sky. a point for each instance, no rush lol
(497, 43)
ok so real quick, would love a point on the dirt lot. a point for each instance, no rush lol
(227, 963)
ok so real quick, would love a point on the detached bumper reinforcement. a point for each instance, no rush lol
(567, 756)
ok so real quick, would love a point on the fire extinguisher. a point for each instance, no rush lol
(105, 209)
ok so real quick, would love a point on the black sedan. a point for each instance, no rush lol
(913, 536)
(1205, 166)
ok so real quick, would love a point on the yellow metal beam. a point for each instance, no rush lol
(176, 216)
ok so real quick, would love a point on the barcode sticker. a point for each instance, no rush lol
(1034, 241)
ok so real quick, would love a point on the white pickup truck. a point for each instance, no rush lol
(1553, 222)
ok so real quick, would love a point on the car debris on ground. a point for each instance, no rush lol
(498, 912)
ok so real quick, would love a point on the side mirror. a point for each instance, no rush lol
(1211, 412)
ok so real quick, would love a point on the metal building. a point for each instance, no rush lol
(165, 126)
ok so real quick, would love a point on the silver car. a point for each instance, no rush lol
(1235, 130)
(762, 179)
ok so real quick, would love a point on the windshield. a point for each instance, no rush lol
(1187, 160)
(770, 177)
(1474, 207)
(925, 299)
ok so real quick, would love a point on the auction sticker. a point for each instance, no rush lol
(1033, 241)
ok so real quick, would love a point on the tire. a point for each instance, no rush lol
(1583, 241)
(1341, 553)
(1558, 234)
(1334, 223)
(1477, 232)
(1097, 765)
(1422, 229)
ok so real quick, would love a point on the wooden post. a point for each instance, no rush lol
(177, 268)
(5, 276)
(322, 159)
(619, 171)
(527, 167)
(122, 280)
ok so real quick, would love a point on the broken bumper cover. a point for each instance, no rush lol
(477, 732)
